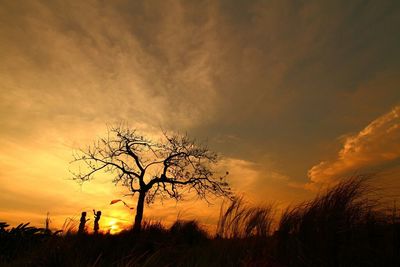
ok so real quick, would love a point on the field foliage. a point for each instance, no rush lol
(344, 226)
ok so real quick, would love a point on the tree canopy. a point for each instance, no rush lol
(165, 168)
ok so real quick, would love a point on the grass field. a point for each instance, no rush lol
(345, 226)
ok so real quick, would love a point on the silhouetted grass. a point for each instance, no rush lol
(345, 226)
(241, 221)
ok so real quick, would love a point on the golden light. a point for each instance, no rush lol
(113, 227)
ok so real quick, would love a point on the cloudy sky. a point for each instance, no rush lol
(293, 95)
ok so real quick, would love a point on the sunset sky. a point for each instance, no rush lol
(292, 94)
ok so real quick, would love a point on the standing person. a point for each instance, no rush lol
(97, 216)
(82, 223)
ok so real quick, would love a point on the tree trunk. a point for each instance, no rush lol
(139, 212)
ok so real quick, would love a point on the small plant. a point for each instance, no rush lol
(69, 226)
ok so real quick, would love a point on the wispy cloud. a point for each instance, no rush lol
(369, 150)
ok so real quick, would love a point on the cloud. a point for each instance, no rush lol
(371, 149)
(255, 76)
(262, 183)
(77, 68)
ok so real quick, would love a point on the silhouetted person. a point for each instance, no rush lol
(97, 216)
(47, 225)
(81, 229)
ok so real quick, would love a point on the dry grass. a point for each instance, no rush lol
(239, 220)
(345, 226)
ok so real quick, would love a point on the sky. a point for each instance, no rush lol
(294, 96)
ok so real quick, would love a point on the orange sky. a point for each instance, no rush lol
(293, 96)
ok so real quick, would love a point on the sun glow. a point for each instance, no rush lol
(113, 227)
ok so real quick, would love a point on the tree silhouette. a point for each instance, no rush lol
(167, 168)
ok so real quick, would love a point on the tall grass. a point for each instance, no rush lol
(344, 226)
(239, 220)
(70, 226)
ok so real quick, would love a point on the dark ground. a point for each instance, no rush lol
(342, 227)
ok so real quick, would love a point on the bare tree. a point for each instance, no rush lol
(167, 168)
